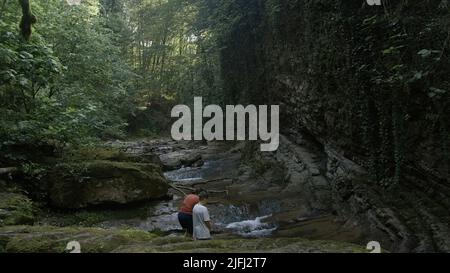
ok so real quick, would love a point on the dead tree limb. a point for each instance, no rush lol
(206, 181)
(177, 189)
(217, 191)
(185, 187)
(181, 188)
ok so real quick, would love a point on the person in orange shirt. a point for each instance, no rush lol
(185, 213)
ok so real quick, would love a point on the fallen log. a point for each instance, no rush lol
(185, 188)
(178, 189)
(217, 191)
(206, 181)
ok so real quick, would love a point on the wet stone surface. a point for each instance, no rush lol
(243, 201)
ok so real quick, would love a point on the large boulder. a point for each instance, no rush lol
(177, 159)
(80, 185)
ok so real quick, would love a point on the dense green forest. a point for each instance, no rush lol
(87, 68)
(366, 87)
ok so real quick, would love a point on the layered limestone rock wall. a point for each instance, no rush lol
(370, 85)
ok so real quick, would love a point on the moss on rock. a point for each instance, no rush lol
(79, 185)
(226, 244)
(46, 239)
(16, 209)
(96, 216)
(110, 154)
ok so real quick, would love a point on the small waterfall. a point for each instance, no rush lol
(253, 228)
(185, 174)
(210, 170)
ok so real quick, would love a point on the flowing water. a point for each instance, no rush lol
(251, 208)
(211, 169)
(258, 212)
(233, 218)
(237, 219)
(253, 228)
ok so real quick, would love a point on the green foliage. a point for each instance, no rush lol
(16, 209)
(88, 70)
(68, 84)
(372, 81)
(234, 28)
(172, 53)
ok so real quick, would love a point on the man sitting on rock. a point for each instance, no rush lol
(201, 220)
(185, 214)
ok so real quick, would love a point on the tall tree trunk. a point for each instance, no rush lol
(28, 19)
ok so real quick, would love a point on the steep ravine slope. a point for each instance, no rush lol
(370, 86)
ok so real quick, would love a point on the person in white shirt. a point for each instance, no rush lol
(201, 219)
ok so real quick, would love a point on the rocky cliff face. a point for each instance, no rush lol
(370, 85)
